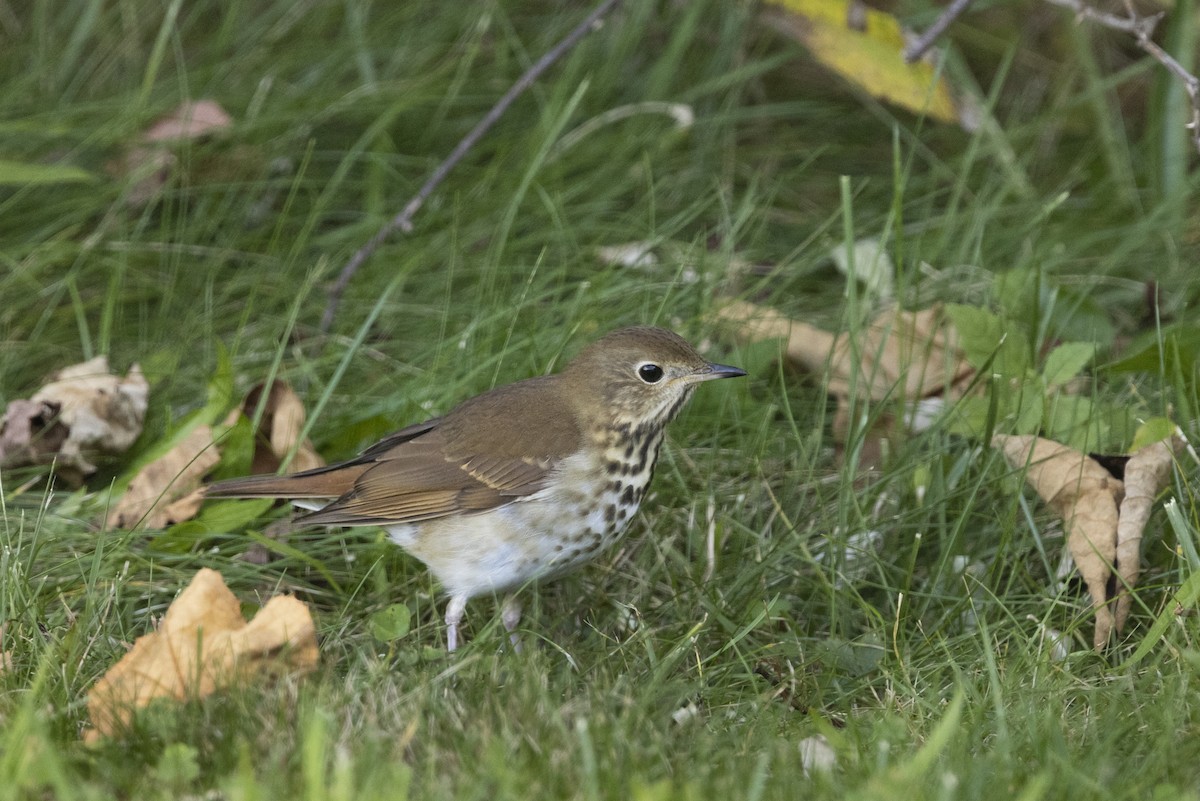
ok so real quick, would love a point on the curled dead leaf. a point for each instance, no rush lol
(84, 410)
(1104, 517)
(167, 490)
(280, 429)
(1146, 474)
(1085, 496)
(202, 645)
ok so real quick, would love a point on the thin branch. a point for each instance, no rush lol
(1138, 26)
(1191, 84)
(939, 26)
(1141, 28)
(403, 220)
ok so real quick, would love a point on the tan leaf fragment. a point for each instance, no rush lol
(1146, 474)
(151, 162)
(84, 410)
(1085, 496)
(191, 119)
(279, 431)
(167, 491)
(202, 645)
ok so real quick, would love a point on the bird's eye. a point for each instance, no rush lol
(650, 373)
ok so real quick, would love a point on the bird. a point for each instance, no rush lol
(523, 483)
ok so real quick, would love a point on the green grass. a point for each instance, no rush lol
(928, 680)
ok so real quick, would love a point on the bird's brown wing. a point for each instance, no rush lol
(491, 450)
(330, 481)
(418, 480)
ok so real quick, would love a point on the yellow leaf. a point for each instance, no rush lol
(868, 53)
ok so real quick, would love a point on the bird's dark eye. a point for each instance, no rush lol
(650, 373)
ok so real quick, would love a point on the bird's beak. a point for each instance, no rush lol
(711, 372)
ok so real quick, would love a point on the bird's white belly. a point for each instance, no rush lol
(584, 511)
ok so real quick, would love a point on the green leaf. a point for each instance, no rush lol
(1067, 361)
(237, 449)
(219, 398)
(178, 766)
(1073, 421)
(223, 517)
(987, 338)
(979, 332)
(16, 173)
(1156, 429)
(1161, 351)
(1030, 406)
(969, 418)
(391, 623)
(179, 538)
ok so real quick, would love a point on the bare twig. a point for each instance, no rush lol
(939, 26)
(1141, 28)
(403, 220)
(1138, 26)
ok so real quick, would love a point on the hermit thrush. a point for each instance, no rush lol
(524, 482)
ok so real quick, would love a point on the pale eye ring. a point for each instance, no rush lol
(649, 372)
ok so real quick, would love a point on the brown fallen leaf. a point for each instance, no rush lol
(202, 645)
(914, 353)
(279, 431)
(1085, 496)
(167, 490)
(907, 357)
(191, 119)
(151, 162)
(84, 410)
(1146, 474)
(1103, 516)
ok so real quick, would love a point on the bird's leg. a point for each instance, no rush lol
(510, 615)
(454, 616)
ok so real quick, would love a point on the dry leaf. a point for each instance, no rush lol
(282, 423)
(190, 120)
(909, 357)
(1146, 474)
(151, 162)
(202, 645)
(913, 354)
(1104, 517)
(84, 410)
(866, 47)
(1085, 496)
(167, 490)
